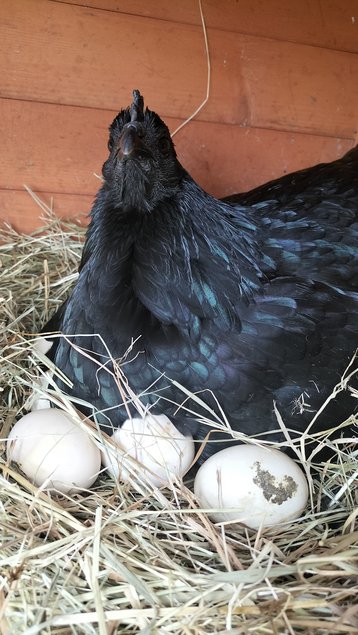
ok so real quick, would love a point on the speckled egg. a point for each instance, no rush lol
(255, 486)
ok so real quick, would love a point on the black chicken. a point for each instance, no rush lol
(253, 299)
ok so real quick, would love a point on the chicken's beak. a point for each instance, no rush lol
(130, 141)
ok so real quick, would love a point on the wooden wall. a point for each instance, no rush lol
(284, 90)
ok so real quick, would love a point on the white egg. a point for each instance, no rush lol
(162, 453)
(264, 486)
(53, 451)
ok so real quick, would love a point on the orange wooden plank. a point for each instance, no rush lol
(90, 57)
(227, 159)
(207, 152)
(310, 90)
(18, 208)
(56, 149)
(73, 55)
(52, 148)
(331, 24)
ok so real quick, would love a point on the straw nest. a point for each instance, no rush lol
(121, 559)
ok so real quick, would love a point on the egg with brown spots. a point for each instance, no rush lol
(251, 485)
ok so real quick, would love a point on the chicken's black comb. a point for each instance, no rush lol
(136, 109)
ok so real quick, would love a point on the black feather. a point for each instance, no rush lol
(253, 298)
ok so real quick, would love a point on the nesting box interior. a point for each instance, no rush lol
(135, 558)
(283, 90)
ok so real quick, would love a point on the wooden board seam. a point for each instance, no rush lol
(209, 28)
(167, 118)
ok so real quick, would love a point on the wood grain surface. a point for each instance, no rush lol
(284, 90)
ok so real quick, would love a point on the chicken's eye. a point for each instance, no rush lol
(110, 144)
(164, 145)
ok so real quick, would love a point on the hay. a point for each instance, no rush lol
(143, 560)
